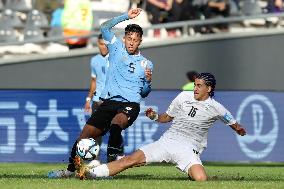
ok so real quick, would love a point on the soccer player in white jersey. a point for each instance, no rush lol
(192, 114)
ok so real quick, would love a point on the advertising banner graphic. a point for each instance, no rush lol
(42, 125)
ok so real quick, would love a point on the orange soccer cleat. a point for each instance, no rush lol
(80, 167)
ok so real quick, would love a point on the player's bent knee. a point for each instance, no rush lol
(197, 173)
(200, 177)
(90, 132)
(120, 119)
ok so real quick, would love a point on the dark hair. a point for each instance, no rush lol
(134, 28)
(209, 81)
(100, 36)
(191, 75)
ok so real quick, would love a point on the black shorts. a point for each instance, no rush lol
(104, 114)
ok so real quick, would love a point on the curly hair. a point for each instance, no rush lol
(209, 81)
(134, 28)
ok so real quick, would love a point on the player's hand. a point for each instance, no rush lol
(87, 107)
(241, 131)
(150, 113)
(132, 13)
(148, 74)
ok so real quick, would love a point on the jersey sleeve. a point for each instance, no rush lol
(147, 86)
(224, 115)
(175, 106)
(108, 35)
(146, 89)
(93, 67)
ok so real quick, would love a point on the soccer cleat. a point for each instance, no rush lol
(60, 174)
(81, 168)
(93, 163)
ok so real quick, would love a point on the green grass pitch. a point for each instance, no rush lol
(221, 176)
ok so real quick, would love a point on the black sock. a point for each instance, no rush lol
(115, 143)
(71, 166)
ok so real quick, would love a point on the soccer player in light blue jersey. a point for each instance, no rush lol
(128, 81)
(99, 67)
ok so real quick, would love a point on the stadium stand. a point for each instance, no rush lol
(10, 16)
(20, 5)
(21, 23)
(1, 5)
(37, 18)
(7, 32)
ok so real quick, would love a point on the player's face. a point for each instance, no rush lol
(201, 90)
(132, 41)
(102, 47)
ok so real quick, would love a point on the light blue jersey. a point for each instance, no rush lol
(99, 68)
(126, 79)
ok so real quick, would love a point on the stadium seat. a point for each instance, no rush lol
(37, 18)
(251, 7)
(12, 18)
(55, 32)
(20, 5)
(1, 5)
(7, 32)
(32, 32)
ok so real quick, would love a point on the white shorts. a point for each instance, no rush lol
(183, 155)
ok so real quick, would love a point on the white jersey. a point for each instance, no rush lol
(192, 118)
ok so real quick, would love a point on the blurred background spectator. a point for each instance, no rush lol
(56, 16)
(191, 76)
(274, 6)
(77, 20)
(34, 20)
(164, 11)
(217, 8)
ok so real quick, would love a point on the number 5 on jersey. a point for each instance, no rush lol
(131, 68)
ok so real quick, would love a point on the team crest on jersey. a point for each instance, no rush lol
(128, 108)
(144, 63)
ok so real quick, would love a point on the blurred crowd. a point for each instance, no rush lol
(22, 20)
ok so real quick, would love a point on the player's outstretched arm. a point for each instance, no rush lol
(162, 118)
(92, 89)
(239, 129)
(106, 26)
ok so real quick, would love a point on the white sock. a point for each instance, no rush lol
(99, 171)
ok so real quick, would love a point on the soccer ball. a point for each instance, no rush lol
(87, 148)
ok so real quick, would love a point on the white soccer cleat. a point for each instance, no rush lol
(60, 174)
